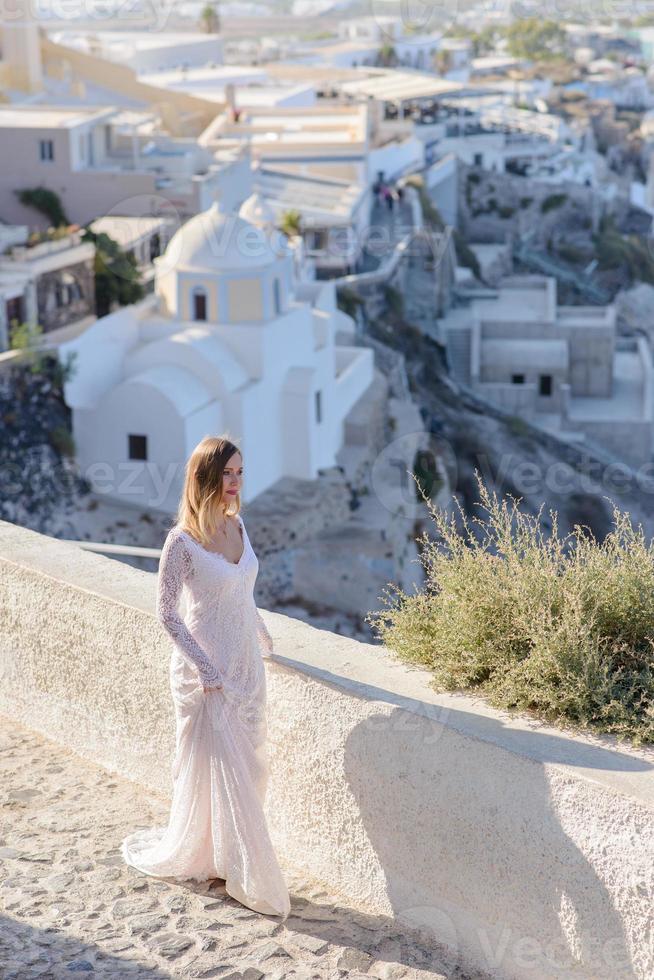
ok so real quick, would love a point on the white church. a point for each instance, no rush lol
(237, 339)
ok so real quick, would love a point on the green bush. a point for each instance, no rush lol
(465, 255)
(552, 202)
(573, 254)
(348, 300)
(430, 212)
(394, 300)
(117, 276)
(62, 440)
(46, 201)
(557, 627)
(628, 252)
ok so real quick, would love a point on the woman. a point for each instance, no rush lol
(217, 827)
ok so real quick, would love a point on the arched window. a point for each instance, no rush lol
(199, 304)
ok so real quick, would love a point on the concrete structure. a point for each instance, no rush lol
(20, 58)
(49, 282)
(105, 160)
(350, 143)
(146, 51)
(225, 344)
(364, 39)
(51, 74)
(627, 88)
(252, 87)
(392, 87)
(527, 850)
(334, 215)
(560, 367)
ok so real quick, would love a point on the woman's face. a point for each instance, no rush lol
(232, 477)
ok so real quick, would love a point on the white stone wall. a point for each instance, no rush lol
(528, 851)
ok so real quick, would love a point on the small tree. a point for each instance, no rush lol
(291, 223)
(26, 337)
(117, 277)
(443, 62)
(387, 55)
(46, 201)
(210, 18)
(536, 39)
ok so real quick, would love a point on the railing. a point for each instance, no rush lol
(100, 547)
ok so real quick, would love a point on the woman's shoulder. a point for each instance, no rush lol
(176, 538)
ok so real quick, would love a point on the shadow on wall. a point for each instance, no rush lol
(515, 863)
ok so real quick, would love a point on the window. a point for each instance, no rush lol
(138, 447)
(545, 384)
(155, 246)
(517, 379)
(46, 149)
(66, 291)
(277, 294)
(199, 304)
(15, 309)
(318, 398)
(479, 159)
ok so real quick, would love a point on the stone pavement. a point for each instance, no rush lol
(69, 905)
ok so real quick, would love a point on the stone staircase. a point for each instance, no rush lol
(459, 345)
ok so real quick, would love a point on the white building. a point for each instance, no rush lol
(147, 51)
(105, 160)
(239, 85)
(334, 214)
(560, 367)
(363, 39)
(44, 280)
(232, 341)
(346, 142)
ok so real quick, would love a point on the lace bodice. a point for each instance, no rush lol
(212, 581)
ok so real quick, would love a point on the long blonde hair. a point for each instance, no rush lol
(202, 497)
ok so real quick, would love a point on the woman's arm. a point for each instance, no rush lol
(175, 567)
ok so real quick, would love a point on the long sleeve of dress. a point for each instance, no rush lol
(175, 566)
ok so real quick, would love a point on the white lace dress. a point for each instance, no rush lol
(217, 827)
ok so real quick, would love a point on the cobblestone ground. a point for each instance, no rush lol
(69, 905)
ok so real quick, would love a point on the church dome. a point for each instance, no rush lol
(216, 241)
(258, 212)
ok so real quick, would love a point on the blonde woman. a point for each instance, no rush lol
(217, 827)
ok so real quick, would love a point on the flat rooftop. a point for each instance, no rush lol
(394, 85)
(48, 117)
(324, 202)
(136, 40)
(627, 400)
(526, 305)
